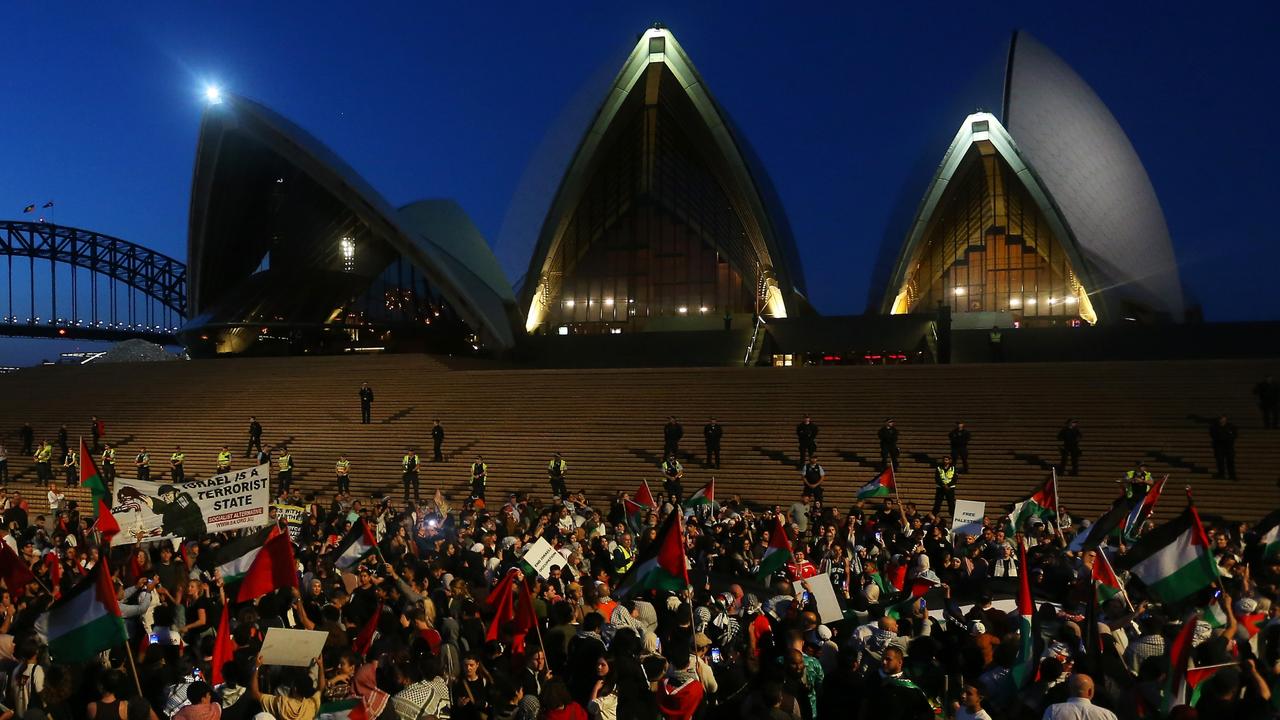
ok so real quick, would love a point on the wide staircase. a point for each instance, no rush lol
(608, 424)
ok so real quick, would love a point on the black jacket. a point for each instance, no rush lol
(712, 434)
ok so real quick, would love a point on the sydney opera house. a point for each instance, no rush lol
(1039, 213)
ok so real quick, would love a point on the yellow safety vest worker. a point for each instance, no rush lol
(70, 459)
(671, 468)
(479, 471)
(342, 467)
(177, 458)
(44, 454)
(995, 337)
(286, 463)
(224, 458)
(629, 559)
(556, 469)
(143, 460)
(946, 476)
(109, 456)
(410, 463)
(1135, 477)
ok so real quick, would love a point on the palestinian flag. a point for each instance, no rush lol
(883, 486)
(1106, 584)
(266, 568)
(1042, 503)
(350, 709)
(233, 560)
(635, 514)
(917, 588)
(777, 555)
(15, 573)
(1215, 615)
(1103, 527)
(223, 648)
(106, 522)
(358, 543)
(660, 565)
(1173, 560)
(364, 640)
(704, 497)
(1024, 667)
(1269, 535)
(1197, 675)
(90, 479)
(1179, 652)
(644, 498)
(1142, 510)
(86, 621)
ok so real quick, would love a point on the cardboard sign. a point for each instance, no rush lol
(968, 519)
(295, 516)
(153, 511)
(824, 595)
(542, 557)
(296, 648)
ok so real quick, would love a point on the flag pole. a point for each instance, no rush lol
(128, 646)
(896, 496)
(1125, 593)
(1057, 506)
(1217, 575)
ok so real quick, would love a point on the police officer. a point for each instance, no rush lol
(224, 461)
(671, 434)
(958, 438)
(28, 437)
(108, 464)
(807, 437)
(995, 343)
(95, 431)
(1223, 436)
(1069, 436)
(437, 441)
(43, 458)
(178, 511)
(555, 475)
(888, 437)
(479, 476)
(409, 464)
(366, 403)
(142, 463)
(672, 473)
(176, 469)
(711, 434)
(944, 486)
(62, 440)
(813, 476)
(1137, 481)
(284, 465)
(342, 471)
(255, 437)
(70, 465)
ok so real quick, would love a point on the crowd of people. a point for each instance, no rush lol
(415, 630)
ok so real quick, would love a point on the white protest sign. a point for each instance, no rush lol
(296, 648)
(542, 557)
(824, 595)
(229, 501)
(968, 519)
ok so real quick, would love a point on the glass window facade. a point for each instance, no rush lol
(989, 248)
(655, 238)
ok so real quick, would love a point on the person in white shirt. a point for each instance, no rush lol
(1080, 705)
(971, 704)
(56, 499)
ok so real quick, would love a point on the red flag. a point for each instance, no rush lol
(500, 600)
(364, 640)
(1179, 659)
(525, 618)
(14, 571)
(223, 647)
(272, 568)
(644, 497)
(107, 524)
(55, 573)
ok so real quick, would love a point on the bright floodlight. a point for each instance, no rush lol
(212, 94)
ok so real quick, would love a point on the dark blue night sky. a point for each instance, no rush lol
(100, 107)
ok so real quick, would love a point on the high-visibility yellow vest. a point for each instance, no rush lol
(177, 458)
(342, 467)
(224, 458)
(109, 456)
(630, 559)
(44, 454)
(410, 462)
(479, 470)
(286, 463)
(946, 476)
(143, 460)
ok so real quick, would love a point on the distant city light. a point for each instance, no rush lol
(212, 94)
